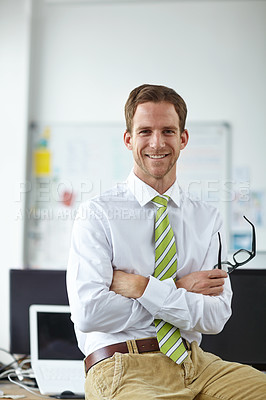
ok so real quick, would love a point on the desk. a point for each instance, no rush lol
(12, 389)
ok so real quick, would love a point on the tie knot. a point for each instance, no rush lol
(160, 201)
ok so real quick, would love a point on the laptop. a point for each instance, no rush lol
(56, 361)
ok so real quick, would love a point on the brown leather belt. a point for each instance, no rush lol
(131, 346)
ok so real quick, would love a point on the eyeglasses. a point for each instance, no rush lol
(241, 257)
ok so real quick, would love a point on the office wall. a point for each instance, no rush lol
(14, 67)
(86, 58)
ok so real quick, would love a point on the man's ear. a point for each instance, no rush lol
(128, 140)
(184, 138)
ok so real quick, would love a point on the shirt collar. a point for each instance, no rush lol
(145, 193)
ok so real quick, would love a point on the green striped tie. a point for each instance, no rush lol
(169, 337)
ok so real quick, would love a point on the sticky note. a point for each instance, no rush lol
(42, 162)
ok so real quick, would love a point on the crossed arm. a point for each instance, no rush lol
(205, 282)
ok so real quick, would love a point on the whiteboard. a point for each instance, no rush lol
(87, 159)
(204, 167)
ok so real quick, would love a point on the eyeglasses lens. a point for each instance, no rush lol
(225, 267)
(242, 256)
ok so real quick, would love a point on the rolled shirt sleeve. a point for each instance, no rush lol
(89, 276)
(187, 310)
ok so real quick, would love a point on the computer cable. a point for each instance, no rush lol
(15, 361)
(31, 390)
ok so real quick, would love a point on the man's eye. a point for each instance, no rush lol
(169, 132)
(144, 132)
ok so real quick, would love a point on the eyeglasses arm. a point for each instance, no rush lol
(253, 235)
(219, 252)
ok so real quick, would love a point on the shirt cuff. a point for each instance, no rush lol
(156, 293)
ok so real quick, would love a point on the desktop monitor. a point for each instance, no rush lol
(246, 325)
(32, 286)
(243, 337)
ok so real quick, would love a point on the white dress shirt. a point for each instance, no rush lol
(116, 231)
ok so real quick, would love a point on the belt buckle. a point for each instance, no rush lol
(132, 346)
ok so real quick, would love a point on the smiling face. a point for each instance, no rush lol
(156, 142)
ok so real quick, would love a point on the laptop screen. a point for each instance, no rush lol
(56, 337)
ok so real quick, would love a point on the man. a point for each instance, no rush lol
(140, 278)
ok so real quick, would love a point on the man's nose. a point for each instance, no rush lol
(157, 140)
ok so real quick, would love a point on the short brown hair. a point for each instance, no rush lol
(155, 93)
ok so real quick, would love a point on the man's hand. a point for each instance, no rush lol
(128, 285)
(204, 282)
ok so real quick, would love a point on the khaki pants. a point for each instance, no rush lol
(150, 376)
